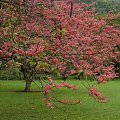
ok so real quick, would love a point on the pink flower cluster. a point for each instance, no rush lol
(5, 49)
(103, 78)
(93, 92)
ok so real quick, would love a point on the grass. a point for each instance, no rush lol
(16, 105)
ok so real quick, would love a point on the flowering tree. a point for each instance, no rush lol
(62, 34)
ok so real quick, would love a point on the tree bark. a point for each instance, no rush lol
(28, 85)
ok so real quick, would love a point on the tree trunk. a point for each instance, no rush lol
(28, 85)
(64, 78)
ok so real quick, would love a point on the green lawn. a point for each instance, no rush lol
(15, 105)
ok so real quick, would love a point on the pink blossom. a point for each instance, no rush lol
(1, 52)
(20, 2)
(21, 52)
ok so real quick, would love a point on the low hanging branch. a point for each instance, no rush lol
(48, 88)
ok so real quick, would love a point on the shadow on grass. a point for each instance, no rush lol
(21, 91)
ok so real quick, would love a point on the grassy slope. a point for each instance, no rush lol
(29, 106)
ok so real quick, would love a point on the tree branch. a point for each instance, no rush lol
(71, 9)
